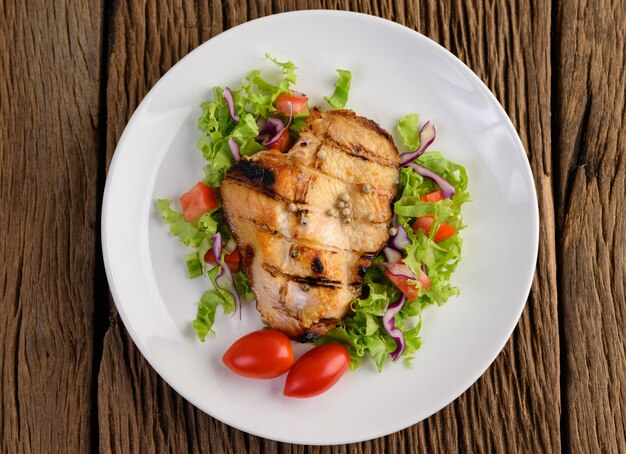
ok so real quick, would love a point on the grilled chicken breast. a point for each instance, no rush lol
(309, 222)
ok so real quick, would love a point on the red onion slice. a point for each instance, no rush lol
(276, 138)
(396, 333)
(234, 149)
(399, 269)
(273, 125)
(427, 137)
(447, 190)
(228, 96)
(401, 239)
(392, 255)
(217, 248)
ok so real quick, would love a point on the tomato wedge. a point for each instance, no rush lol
(298, 102)
(317, 371)
(197, 201)
(424, 280)
(444, 231)
(261, 354)
(233, 259)
(432, 197)
(410, 290)
(283, 143)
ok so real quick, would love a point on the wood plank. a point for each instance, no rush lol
(49, 100)
(591, 61)
(514, 406)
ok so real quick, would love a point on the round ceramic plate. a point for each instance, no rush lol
(395, 71)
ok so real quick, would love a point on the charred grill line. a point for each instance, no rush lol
(253, 172)
(312, 281)
(361, 153)
(269, 192)
(319, 247)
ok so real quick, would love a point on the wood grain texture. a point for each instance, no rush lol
(509, 47)
(49, 86)
(591, 80)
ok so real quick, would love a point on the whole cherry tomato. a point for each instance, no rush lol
(260, 354)
(317, 371)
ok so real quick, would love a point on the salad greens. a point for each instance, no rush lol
(339, 99)
(362, 332)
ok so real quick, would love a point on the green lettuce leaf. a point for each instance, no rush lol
(339, 99)
(187, 233)
(207, 307)
(409, 131)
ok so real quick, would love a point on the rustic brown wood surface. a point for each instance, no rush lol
(71, 75)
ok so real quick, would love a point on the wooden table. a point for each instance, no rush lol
(72, 73)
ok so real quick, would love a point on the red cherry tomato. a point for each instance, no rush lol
(444, 231)
(260, 354)
(298, 102)
(283, 143)
(317, 371)
(197, 201)
(233, 259)
(432, 197)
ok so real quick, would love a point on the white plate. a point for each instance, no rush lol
(395, 71)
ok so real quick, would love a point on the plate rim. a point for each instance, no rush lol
(406, 422)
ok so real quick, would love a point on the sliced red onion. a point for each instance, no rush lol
(392, 255)
(260, 123)
(399, 269)
(401, 239)
(447, 190)
(217, 248)
(276, 138)
(273, 125)
(225, 279)
(427, 137)
(396, 333)
(228, 96)
(234, 149)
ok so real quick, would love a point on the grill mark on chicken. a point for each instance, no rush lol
(316, 172)
(265, 190)
(253, 172)
(359, 152)
(320, 247)
(309, 280)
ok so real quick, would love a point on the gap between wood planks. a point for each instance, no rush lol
(555, 58)
(102, 310)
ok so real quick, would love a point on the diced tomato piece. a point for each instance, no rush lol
(410, 290)
(432, 197)
(197, 201)
(283, 143)
(233, 259)
(298, 102)
(444, 231)
(424, 280)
